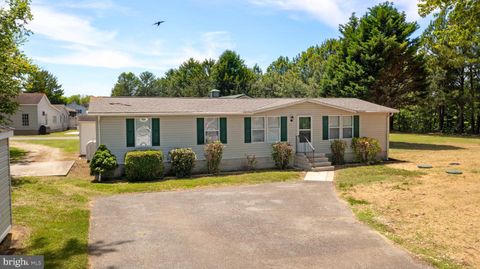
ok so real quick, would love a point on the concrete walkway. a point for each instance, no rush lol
(53, 168)
(280, 225)
(319, 176)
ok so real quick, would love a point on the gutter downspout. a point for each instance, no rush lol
(388, 133)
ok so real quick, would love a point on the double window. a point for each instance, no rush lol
(25, 120)
(212, 130)
(340, 127)
(266, 128)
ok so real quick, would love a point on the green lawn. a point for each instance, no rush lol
(433, 139)
(55, 134)
(350, 177)
(56, 210)
(17, 154)
(68, 146)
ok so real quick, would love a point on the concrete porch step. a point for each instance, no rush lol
(317, 164)
(318, 159)
(309, 154)
(323, 168)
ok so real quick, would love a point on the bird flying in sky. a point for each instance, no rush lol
(158, 23)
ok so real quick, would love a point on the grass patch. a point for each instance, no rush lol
(434, 139)
(56, 209)
(68, 146)
(350, 177)
(17, 154)
(353, 201)
(55, 134)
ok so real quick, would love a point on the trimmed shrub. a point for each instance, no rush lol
(103, 162)
(366, 149)
(338, 151)
(213, 156)
(144, 165)
(183, 161)
(251, 162)
(282, 153)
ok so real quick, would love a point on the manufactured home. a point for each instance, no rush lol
(246, 126)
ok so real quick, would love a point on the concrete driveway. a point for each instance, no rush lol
(280, 225)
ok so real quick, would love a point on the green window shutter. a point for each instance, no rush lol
(200, 131)
(155, 132)
(223, 130)
(325, 127)
(247, 129)
(130, 132)
(283, 129)
(356, 126)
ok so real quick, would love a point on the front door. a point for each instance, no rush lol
(304, 133)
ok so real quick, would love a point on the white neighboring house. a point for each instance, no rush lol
(245, 126)
(35, 111)
(5, 184)
(68, 117)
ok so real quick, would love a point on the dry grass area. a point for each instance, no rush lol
(429, 212)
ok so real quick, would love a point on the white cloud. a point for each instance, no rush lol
(210, 46)
(81, 43)
(68, 28)
(335, 12)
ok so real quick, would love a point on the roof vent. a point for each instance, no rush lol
(214, 93)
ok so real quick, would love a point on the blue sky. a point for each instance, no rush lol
(87, 44)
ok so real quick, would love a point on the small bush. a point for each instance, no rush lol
(338, 151)
(103, 161)
(366, 149)
(282, 153)
(144, 165)
(213, 155)
(251, 162)
(183, 161)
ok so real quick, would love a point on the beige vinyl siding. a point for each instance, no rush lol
(16, 118)
(180, 131)
(375, 125)
(5, 208)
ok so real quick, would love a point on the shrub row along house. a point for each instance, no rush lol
(245, 126)
(36, 114)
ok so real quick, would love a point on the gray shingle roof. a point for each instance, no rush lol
(187, 106)
(29, 98)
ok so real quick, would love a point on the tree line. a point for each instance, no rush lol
(432, 78)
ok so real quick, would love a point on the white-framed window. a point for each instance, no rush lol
(25, 120)
(258, 129)
(212, 129)
(347, 126)
(334, 127)
(54, 119)
(340, 127)
(143, 132)
(273, 130)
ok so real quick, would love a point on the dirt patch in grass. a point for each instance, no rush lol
(433, 214)
(41, 153)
